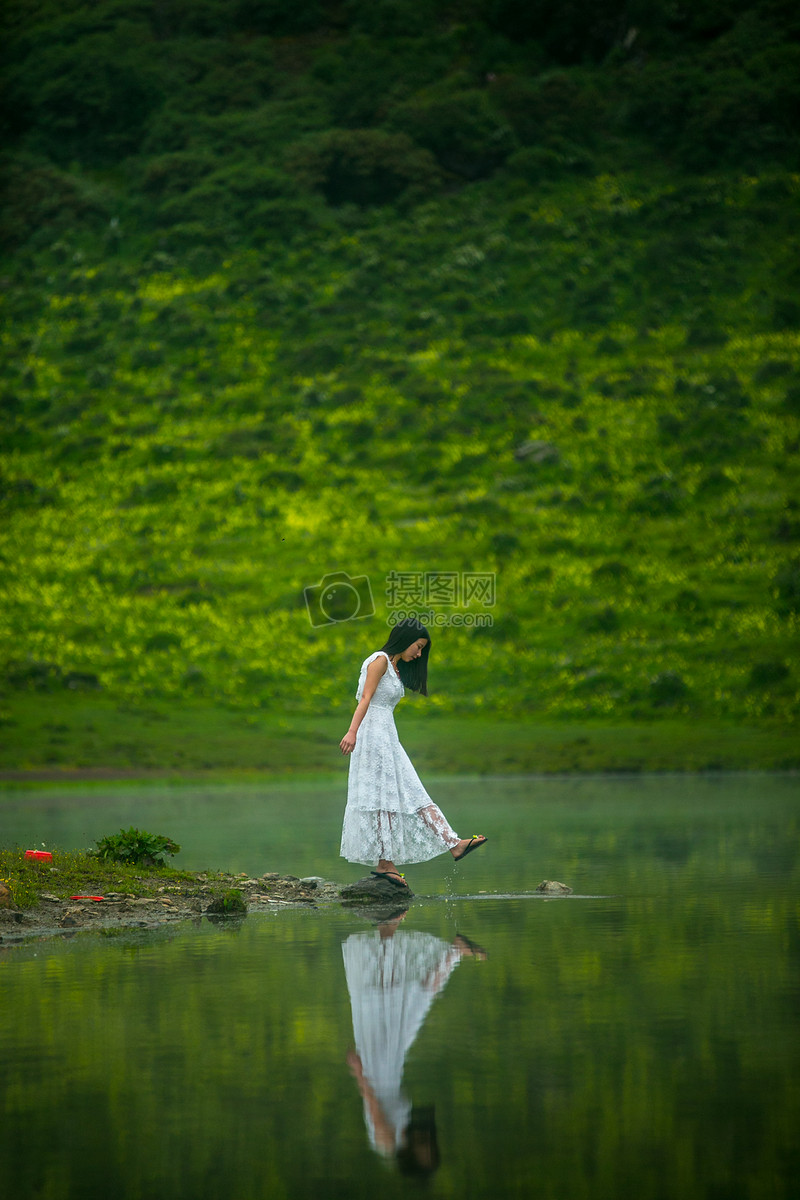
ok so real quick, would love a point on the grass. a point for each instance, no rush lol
(84, 738)
(161, 523)
(75, 872)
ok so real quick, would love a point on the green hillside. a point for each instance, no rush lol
(435, 290)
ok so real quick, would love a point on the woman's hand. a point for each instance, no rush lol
(347, 744)
(354, 1063)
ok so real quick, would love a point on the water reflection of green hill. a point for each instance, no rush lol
(345, 293)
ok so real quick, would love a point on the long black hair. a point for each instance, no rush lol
(419, 1154)
(414, 675)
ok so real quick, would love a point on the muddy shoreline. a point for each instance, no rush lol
(173, 902)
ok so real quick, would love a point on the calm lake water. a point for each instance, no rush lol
(636, 1039)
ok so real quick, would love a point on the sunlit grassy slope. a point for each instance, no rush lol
(186, 447)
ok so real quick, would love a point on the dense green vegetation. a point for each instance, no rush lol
(415, 287)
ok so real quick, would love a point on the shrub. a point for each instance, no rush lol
(714, 483)
(177, 173)
(461, 129)
(82, 681)
(359, 76)
(711, 421)
(792, 399)
(659, 496)
(32, 675)
(47, 677)
(556, 109)
(162, 640)
(705, 333)
(772, 368)
(604, 620)
(215, 75)
(35, 196)
(788, 527)
(276, 17)
(363, 166)
(194, 680)
(787, 588)
(708, 113)
(244, 193)
(767, 674)
(536, 164)
(595, 681)
(668, 689)
(570, 33)
(24, 493)
(497, 324)
(393, 18)
(612, 571)
(136, 847)
(150, 491)
(90, 98)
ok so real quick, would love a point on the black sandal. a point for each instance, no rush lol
(394, 878)
(474, 843)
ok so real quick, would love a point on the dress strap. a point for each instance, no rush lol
(391, 666)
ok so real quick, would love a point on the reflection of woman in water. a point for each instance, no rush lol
(393, 978)
(390, 819)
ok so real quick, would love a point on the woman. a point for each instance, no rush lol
(393, 977)
(390, 819)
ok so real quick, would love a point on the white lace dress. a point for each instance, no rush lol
(392, 984)
(389, 815)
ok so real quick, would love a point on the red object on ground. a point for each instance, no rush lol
(87, 897)
(42, 855)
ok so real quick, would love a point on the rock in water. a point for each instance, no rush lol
(551, 887)
(373, 890)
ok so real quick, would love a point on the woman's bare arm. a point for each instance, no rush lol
(384, 1133)
(375, 670)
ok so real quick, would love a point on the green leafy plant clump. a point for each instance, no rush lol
(230, 904)
(136, 847)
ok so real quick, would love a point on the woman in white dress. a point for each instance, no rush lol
(393, 977)
(390, 819)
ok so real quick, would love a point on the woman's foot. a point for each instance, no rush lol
(387, 928)
(467, 946)
(387, 870)
(466, 846)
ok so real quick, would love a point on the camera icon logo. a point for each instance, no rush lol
(339, 597)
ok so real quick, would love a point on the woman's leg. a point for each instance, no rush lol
(435, 819)
(386, 864)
